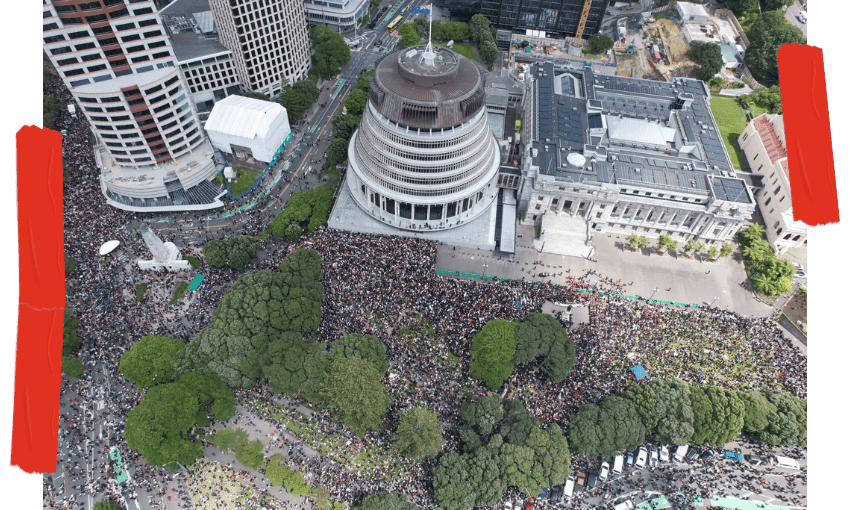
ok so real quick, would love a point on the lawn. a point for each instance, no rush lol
(464, 49)
(179, 291)
(758, 110)
(245, 178)
(732, 122)
(141, 288)
(195, 262)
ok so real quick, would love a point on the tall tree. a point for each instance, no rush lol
(148, 362)
(408, 34)
(492, 353)
(331, 51)
(767, 34)
(363, 81)
(708, 56)
(454, 486)
(718, 415)
(419, 433)
(356, 101)
(757, 410)
(599, 43)
(789, 424)
(353, 386)
(675, 417)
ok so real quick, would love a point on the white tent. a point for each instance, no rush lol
(109, 246)
(229, 173)
(241, 123)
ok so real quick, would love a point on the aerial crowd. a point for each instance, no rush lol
(384, 286)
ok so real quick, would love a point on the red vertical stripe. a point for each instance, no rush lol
(808, 138)
(38, 362)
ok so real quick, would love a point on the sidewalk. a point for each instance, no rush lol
(688, 281)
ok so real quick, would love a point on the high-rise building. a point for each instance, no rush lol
(269, 40)
(557, 17)
(424, 159)
(338, 15)
(118, 64)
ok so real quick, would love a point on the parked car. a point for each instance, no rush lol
(681, 453)
(556, 493)
(604, 471)
(569, 487)
(508, 505)
(630, 459)
(693, 453)
(706, 455)
(653, 458)
(518, 505)
(664, 454)
(729, 454)
(642, 457)
(592, 478)
(618, 465)
(802, 17)
(609, 13)
(755, 460)
(544, 493)
(581, 481)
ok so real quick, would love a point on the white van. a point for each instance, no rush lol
(787, 462)
(625, 505)
(618, 465)
(569, 486)
(680, 453)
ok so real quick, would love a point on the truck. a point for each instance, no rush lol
(680, 453)
(729, 454)
(618, 465)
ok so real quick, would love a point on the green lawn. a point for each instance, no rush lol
(179, 291)
(464, 49)
(141, 288)
(70, 264)
(195, 262)
(758, 110)
(245, 178)
(732, 122)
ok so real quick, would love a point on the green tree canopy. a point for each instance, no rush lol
(353, 386)
(718, 415)
(298, 210)
(673, 411)
(767, 34)
(539, 334)
(49, 109)
(72, 366)
(363, 84)
(70, 340)
(337, 151)
(356, 101)
(641, 397)
(454, 486)
(331, 51)
(408, 34)
(385, 501)
(234, 251)
(344, 126)
(303, 263)
(599, 43)
(743, 6)
(708, 56)
(148, 362)
(159, 426)
(106, 504)
(788, 425)
(419, 433)
(757, 410)
(492, 353)
(298, 97)
(212, 394)
(607, 428)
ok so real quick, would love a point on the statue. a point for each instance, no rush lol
(164, 254)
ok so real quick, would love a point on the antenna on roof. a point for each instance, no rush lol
(428, 55)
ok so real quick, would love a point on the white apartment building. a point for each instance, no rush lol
(763, 143)
(338, 15)
(116, 60)
(269, 40)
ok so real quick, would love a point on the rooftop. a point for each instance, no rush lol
(631, 131)
(691, 9)
(187, 22)
(774, 146)
(243, 116)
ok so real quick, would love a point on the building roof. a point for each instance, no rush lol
(774, 146)
(659, 135)
(180, 17)
(243, 117)
(730, 53)
(691, 9)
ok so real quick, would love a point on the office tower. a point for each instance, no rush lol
(269, 40)
(118, 64)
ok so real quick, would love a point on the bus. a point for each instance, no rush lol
(392, 24)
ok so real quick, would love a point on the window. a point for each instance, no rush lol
(778, 232)
(174, 79)
(153, 33)
(59, 51)
(67, 61)
(77, 35)
(745, 136)
(107, 42)
(161, 54)
(90, 6)
(134, 49)
(130, 38)
(796, 238)
(105, 77)
(99, 67)
(115, 109)
(144, 69)
(65, 8)
(89, 58)
(767, 202)
(143, 58)
(99, 119)
(102, 30)
(776, 191)
(145, 10)
(74, 72)
(87, 99)
(153, 89)
(120, 13)
(147, 22)
(96, 18)
(158, 44)
(54, 38)
(782, 198)
(125, 26)
(756, 156)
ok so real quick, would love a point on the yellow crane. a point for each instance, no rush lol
(582, 20)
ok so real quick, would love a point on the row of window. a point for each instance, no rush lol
(473, 148)
(423, 144)
(379, 159)
(420, 212)
(383, 165)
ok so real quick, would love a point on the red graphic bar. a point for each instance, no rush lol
(808, 138)
(38, 362)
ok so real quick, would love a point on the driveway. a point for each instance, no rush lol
(791, 16)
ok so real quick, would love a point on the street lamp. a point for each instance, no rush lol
(485, 266)
(712, 301)
(653, 292)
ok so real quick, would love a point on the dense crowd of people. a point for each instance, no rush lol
(380, 285)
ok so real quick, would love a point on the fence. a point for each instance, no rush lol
(269, 167)
(587, 291)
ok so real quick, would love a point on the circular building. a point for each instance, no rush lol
(424, 157)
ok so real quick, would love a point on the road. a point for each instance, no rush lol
(791, 16)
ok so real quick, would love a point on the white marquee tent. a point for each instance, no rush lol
(241, 123)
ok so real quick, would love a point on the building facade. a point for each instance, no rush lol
(118, 63)
(424, 156)
(763, 143)
(559, 17)
(207, 65)
(269, 40)
(339, 15)
(628, 156)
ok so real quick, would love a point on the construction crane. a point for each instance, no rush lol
(582, 21)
